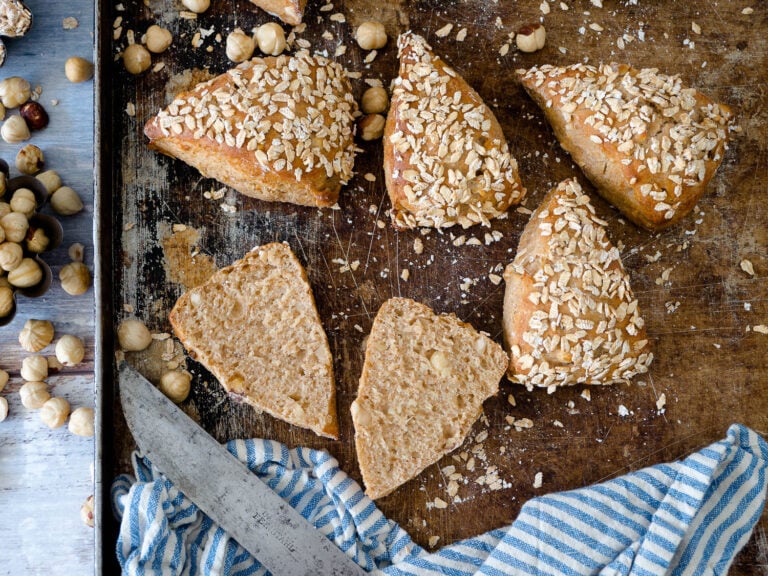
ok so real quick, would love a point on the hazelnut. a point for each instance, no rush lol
(78, 69)
(66, 201)
(175, 385)
(133, 335)
(76, 252)
(70, 350)
(35, 115)
(23, 201)
(6, 301)
(51, 180)
(14, 91)
(37, 240)
(27, 274)
(531, 38)
(54, 412)
(240, 46)
(86, 511)
(36, 335)
(371, 35)
(4, 377)
(75, 278)
(11, 255)
(81, 422)
(30, 159)
(136, 59)
(371, 127)
(2, 235)
(34, 394)
(271, 38)
(34, 368)
(5, 208)
(196, 6)
(15, 130)
(3, 408)
(3, 182)
(375, 100)
(2, 111)
(157, 39)
(15, 225)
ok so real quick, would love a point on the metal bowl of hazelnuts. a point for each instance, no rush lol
(25, 234)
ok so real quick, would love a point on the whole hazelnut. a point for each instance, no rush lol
(3, 408)
(37, 240)
(240, 46)
(158, 39)
(196, 6)
(86, 511)
(136, 59)
(27, 274)
(23, 200)
(15, 130)
(35, 115)
(11, 255)
(54, 412)
(81, 422)
(34, 368)
(375, 100)
(371, 35)
(3, 182)
(34, 394)
(371, 127)
(133, 335)
(4, 377)
(30, 159)
(14, 91)
(36, 335)
(2, 111)
(66, 201)
(5, 208)
(271, 38)
(175, 385)
(50, 179)
(15, 225)
(70, 350)
(78, 69)
(6, 301)
(75, 278)
(531, 38)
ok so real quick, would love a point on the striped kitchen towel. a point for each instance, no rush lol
(687, 517)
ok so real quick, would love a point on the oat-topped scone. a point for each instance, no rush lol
(569, 313)
(649, 144)
(289, 11)
(278, 128)
(446, 160)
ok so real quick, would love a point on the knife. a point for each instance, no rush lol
(222, 487)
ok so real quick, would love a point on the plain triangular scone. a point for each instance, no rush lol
(446, 160)
(255, 327)
(569, 313)
(647, 143)
(289, 11)
(277, 128)
(423, 384)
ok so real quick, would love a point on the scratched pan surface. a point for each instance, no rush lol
(168, 232)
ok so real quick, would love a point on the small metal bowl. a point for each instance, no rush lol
(51, 226)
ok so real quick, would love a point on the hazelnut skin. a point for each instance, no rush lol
(35, 115)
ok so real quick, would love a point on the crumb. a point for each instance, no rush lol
(405, 274)
(495, 279)
(747, 266)
(433, 540)
(661, 403)
(418, 246)
(538, 480)
(444, 31)
(761, 328)
(338, 17)
(623, 410)
(70, 23)
(440, 503)
(130, 109)
(461, 35)
(586, 394)
(557, 424)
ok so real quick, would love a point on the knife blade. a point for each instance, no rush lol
(223, 487)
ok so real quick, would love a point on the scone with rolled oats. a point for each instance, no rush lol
(648, 144)
(446, 160)
(277, 128)
(570, 316)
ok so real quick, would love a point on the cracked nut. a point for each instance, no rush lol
(30, 159)
(81, 422)
(175, 385)
(158, 39)
(66, 201)
(531, 38)
(133, 335)
(70, 350)
(136, 59)
(371, 35)
(240, 46)
(54, 412)
(34, 368)
(78, 69)
(375, 100)
(34, 115)
(371, 127)
(15, 130)
(75, 278)
(36, 335)
(271, 38)
(34, 394)
(14, 91)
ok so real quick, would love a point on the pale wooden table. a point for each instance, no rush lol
(45, 475)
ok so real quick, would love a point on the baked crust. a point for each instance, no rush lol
(648, 144)
(289, 11)
(277, 128)
(569, 313)
(446, 160)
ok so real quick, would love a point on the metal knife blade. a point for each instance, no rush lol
(222, 487)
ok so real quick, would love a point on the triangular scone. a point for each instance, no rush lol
(569, 313)
(254, 325)
(277, 128)
(647, 143)
(424, 381)
(289, 11)
(446, 160)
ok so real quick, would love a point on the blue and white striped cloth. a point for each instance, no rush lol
(687, 517)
